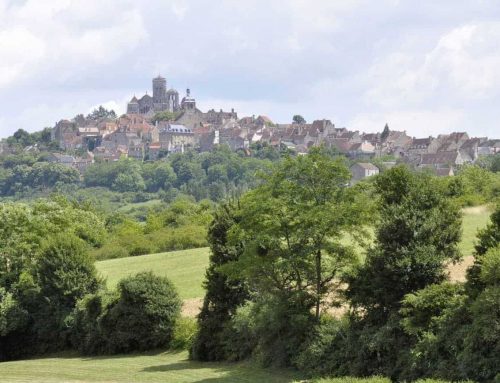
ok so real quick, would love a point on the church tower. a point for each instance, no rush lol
(159, 90)
(188, 103)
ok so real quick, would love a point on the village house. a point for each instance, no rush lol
(362, 170)
(441, 159)
(176, 138)
(489, 147)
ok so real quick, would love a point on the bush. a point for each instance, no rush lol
(182, 238)
(141, 316)
(184, 333)
(322, 353)
(271, 330)
(110, 251)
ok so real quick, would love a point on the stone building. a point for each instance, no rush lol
(362, 170)
(162, 100)
(176, 138)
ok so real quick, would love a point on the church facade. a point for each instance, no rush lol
(162, 100)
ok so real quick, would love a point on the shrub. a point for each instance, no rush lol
(322, 353)
(271, 330)
(140, 317)
(110, 251)
(184, 333)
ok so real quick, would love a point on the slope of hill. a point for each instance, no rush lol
(185, 268)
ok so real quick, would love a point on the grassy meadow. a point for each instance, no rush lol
(136, 368)
(186, 268)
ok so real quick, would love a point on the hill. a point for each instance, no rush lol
(186, 268)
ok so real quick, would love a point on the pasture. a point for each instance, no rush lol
(136, 368)
(186, 268)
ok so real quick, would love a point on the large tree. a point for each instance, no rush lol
(419, 232)
(293, 228)
(223, 295)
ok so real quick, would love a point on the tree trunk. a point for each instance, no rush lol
(318, 282)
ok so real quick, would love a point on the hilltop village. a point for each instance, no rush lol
(157, 125)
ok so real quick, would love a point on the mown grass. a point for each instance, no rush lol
(185, 268)
(474, 218)
(151, 367)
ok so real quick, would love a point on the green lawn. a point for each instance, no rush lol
(185, 268)
(474, 218)
(164, 367)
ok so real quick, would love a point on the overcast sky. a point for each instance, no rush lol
(421, 67)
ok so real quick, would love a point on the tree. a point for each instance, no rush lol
(292, 227)
(101, 112)
(65, 271)
(129, 182)
(164, 116)
(298, 119)
(223, 295)
(418, 233)
(488, 238)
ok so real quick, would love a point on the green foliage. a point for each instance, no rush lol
(474, 185)
(12, 315)
(324, 350)
(24, 227)
(164, 116)
(419, 231)
(298, 119)
(40, 175)
(223, 295)
(180, 225)
(64, 270)
(101, 113)
(488, 238)
(141, 316)
(292, 226)
(184, 333)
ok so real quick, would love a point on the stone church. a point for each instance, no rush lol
(162, 100)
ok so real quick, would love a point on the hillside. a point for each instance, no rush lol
(186, 268)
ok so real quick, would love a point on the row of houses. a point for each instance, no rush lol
(135, 135)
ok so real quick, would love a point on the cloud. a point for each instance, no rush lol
(462, 65)
(64, 38)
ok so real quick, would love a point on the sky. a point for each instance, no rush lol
(427, 67)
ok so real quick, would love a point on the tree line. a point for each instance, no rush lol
(280, 265)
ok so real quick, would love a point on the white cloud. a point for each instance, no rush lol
(463, 64)
(63, 38)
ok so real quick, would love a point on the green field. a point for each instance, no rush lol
(185, 268)
(165, 367)
(474, 218)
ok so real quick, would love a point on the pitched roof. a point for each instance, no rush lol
(439, 158)
(366, 165)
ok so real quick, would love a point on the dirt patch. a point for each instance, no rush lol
(476, 210)
(191, 307)
(457, 271)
